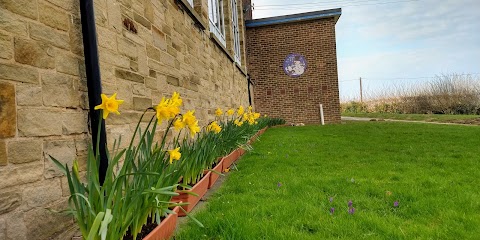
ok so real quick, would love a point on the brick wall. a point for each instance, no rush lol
(296, 99)
(43, 93)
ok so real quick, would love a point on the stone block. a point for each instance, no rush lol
(63, 151)
(24, 151)
(39, 122)
(34, 53)
(173, 81)
(56, 38)
(107, 38)
(142, 61)
(42, 193)
(29, 95)
(3, 229)
(143, 21)
(75, 33)
(114, 15)
(52, 17)
(140, 89)
(10, 23)
(71, 6)
(66, 63)
(74, 122)
(124, 89)
(100, 15)
(141, 104)
(113, 58)
(25, 8)
(50, 225)
(153, 52)
(127, 48)
(9, 201)
(159, 39)
(8, 114)
(127, 75)
(18, 73)
(16, 228)
(20, 174)
(58, 91)
(6, 46)
(3, 153)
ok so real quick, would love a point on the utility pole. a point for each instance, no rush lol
(361, 91)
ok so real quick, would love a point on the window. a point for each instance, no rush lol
(236, 33)
(191, 2)
(217, 22)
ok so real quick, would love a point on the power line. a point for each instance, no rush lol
(285, 7)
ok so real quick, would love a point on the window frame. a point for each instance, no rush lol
(237, 49)
(216, 19)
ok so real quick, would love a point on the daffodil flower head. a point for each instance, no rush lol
(109, 104)
(176, 100)
(214, 127)
(240, 111)
(178, 124)
(230, 112)
(191, 122)
(174, 154)
(250, 108)
(238, 123)
(218, 112)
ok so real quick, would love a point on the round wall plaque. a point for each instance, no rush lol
(294, 65)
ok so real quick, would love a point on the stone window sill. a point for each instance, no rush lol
(193, 14)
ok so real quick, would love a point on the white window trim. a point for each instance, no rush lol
(217, 20)
(236, 33)
(191, 2)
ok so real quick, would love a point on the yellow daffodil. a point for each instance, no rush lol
(238, 123)
(250, 108)
(191, 122)
(178, 124)
(230, 112)
(218, 112)
(226, 170)
(176, 100)
(109, 104)
(168, 108)
(214, 127)
(174, 154)
(256, 115)
(240, 111)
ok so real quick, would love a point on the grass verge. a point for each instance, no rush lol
(284, 186)
(445, 118)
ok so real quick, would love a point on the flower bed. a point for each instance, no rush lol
(143, 185)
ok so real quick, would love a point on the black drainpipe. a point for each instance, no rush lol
(248, 89)
(94, 82)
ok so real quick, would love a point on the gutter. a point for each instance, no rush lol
(94, 83)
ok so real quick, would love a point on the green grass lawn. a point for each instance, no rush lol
(416, 117)
(282, 188)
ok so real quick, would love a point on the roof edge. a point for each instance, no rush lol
(299, 17)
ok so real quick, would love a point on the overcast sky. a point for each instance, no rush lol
(394, 42)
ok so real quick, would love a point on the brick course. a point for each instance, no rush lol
(296, 99)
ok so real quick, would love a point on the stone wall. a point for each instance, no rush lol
(43, 93)
(295, 99)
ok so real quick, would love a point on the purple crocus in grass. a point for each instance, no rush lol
(332, 210)
(351, 210)
(395, 204)
(279, 184)
(350, 203)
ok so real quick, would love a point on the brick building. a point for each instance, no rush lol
(293, 62)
